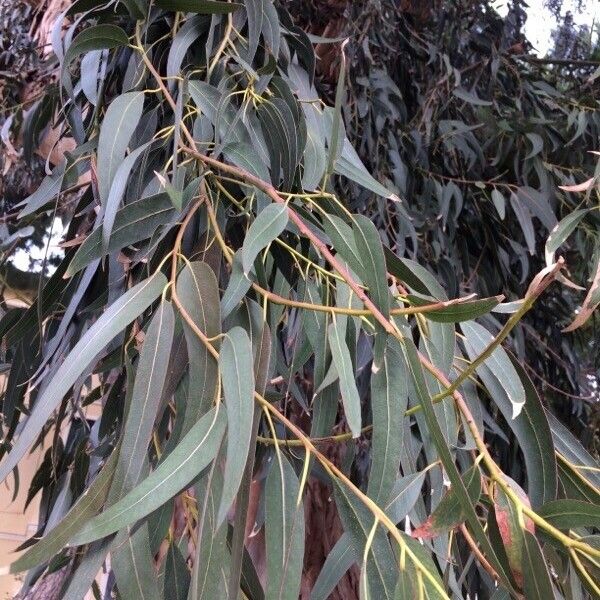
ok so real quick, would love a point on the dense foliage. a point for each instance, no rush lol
(272, 328)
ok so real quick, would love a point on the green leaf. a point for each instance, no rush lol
(470, 97)
(532, 432)
(145, 401)
(221, 113)
(477, 339)
(193, 453)
(456, 313)
(337, 126)
(87, 570)
(246, 157)
(499, 202)
(404, 495)
(48, 189)
(262, 18)
(117, 189)
(449, 513)
(237, 376)
(561, 232)
(267, 226)
(239, 284)
(537, 583)
(133, 565)
(462, 494)
(537, 144)
(338, 561)
(124, 310)
(568, 514)
(314, 163)
(524, 217)
(80, 513)
(370, 249)
(349, 165)
(572, 449)
(280, 129)
(203, 7)
(177, 576)
(414, 275)
(211, 548)
(382, 566)
(118, 125)
(189, 32)
(97, 37)
(198, 292)
(134, 222)
(389, 398)
(342, 238)
(343, 364)
(284, 531)
(406, 586)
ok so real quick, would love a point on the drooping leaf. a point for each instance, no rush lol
(572, 450)
(370, 249)
(340, 558)
(509, 526)
(193, 453)
(133, 565)
(284, 517)
(48, 189)
(477, 339)
(110, 324)
(389, 398)
(84, 509)
(262, 17)
(198, 292)
(267, 226)
(499, 203)
(211, 556)
(147, 391)
(342, 237)
(460, 490)
(537, 584)
(117, 189)
(98, 37)
(237, 376)
(177, 576)
(239, 284)
(532, 432)
(219, 110)
(358, 521)
(118, 125)
(349, 165)
(189, 32)
(343, 364)
(134, 222)
(404, 495)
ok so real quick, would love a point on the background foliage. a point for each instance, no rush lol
(234, 266)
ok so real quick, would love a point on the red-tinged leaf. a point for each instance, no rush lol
(510, 528)
(449, 513)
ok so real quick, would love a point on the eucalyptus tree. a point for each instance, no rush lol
(250, 335)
